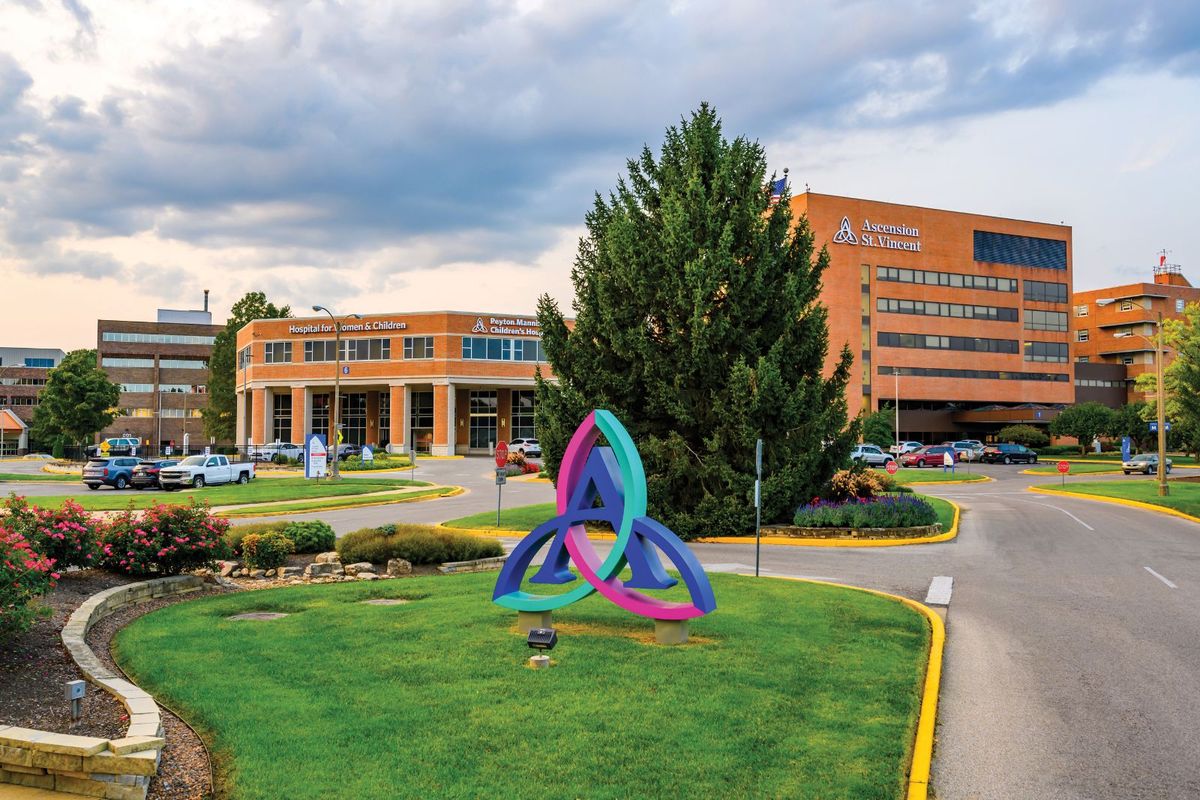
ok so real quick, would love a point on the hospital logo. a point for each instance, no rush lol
(844, 234)
(479, 326)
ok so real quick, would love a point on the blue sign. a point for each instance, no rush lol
(316, 456)
(1154, 427)
(1126, 448)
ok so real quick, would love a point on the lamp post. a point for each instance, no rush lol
(336, 408)
(896, 375)
(1163, 489)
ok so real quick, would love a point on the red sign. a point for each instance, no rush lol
(501, 454)
(1064, 467)
(891, 467)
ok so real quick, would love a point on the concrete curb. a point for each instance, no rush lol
(972, 479)
(1053, 474)
(1120, 501)
(780, 540)
(922, 758)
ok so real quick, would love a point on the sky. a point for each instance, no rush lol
(419, 155)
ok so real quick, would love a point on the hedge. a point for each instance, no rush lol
(417, 544)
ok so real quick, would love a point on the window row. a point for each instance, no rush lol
(18, 400)
(164, 413)
(931, 309)
(981, 374)
(934, 342)
(486, 348)
(23, 381)
(1020, 251)
(951, 279)
(166, 388)
(352, 350)
(1045, 320)
(155, 338)
(1046, 292)
(40, 363)
(1099, 383)
(1046, 351)
(142, 363)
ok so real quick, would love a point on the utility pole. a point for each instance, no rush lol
(896, 375)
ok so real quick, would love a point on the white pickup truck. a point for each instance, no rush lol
(200, 471)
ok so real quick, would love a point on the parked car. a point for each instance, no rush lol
(871, 455)
(905, 447)
(277, 452)
(1008, 453)
(526, 447)
(114, 472)
(201, 471)
(117, 446)
(346, 450)
(145, 474)
(1146, 463)
(928, 456)
(967, 449)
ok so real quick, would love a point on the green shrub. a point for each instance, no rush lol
(1058, 450)
(310, 537)
(237, 533)
(267, 550)
(24, 575)
(68, 536)
(418, 544)
(164, 540)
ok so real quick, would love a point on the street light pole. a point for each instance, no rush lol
(336, 406)
(896, 375)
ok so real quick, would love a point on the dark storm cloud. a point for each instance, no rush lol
(343, 127)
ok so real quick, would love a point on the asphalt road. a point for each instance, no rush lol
(1073, 653)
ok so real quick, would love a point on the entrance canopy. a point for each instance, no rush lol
(10, 422)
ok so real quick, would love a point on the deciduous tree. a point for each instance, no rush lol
(1085, 422)
(697, 322)
(78, 401)
(879, 427)
(1023, 434)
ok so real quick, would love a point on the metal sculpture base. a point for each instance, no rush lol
(528, 620)
(539, 662)
(671, 631)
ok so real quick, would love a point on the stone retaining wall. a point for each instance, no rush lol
(118, 769)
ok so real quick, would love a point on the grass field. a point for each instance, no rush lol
(1077, 468)
(907, 476)
(330, 503)
(1184, 497)
(526, 518)
(786, 690)
(257, 491)
(37, 477)
(1176, 458)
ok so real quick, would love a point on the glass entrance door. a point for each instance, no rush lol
(420, 420)
(483, 419)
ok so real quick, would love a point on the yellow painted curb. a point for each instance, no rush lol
(922, 758)
(973, 479)
(1120, 501)
(400, 499)
(1052, 474)
(787, 541)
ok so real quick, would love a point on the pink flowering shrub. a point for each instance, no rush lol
(68, 536)
(24, 575)
(165, 540)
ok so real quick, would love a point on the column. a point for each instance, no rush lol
(444, 434)
(258, 416)
(504, 415)
(240, 435)
(299, 414)
(372, 418)
(399, 395)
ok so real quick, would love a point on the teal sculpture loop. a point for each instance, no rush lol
(614, 475)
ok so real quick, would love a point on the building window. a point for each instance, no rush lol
(483, 419)
(366, 350)
(40, 363)
(934, 342)
(156, 338)
(385, 418)
(278, 353)
(1082, 359)
(951, 279)
(138, 412)
(1081, 336)
(281, 417)
(115, 361)
(957, 310)
(1081, 311)
(134, 388)
(183, 363)
(976, 374)
(487, 348)
(523, 404)
(183, 388)
(1126, 360)
(1045, 320)
(1020, 251)
(420, 419)
(1046, 351)
(1043, 292)
(318, 418)
(1179, 306)
(179, 413)
(1126, 306)
(353, 413)
(320, 350)
(418, 347)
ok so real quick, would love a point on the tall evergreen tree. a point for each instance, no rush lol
(698, 324)
(220, 414)
(78, 401)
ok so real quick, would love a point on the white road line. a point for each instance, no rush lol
(940, 589)
(1161, 578)
(1056, 508)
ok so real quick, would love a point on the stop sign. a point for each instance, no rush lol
(1064, 467)
(891, 467)
(501, 454)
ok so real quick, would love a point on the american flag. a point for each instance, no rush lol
(777, 188)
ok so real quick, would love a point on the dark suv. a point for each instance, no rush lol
(145, 474)
(115, 472)
(1008, 453)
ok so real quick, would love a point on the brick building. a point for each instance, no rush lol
(446, 382)
(963, 317)
(162, 368)
(1120, 334)
(23, 374)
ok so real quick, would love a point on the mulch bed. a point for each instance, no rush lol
(35, 666)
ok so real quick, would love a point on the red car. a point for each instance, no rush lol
(928, 456)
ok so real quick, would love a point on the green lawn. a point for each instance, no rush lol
(526, 518)
(804, 691)
(1184, 497)
(37, 477)
(259, 490)
(910, 475)
(1176, 458)
(1077, 468)
(337, 502)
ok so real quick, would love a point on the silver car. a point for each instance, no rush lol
(1145, 463)
(870, 455)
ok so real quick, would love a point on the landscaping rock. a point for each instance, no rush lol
(367, 576)
(323, 569)
(361, 566)
(329, 558)
(398, 566)
(258, 573)
(227, 568)
(287, 572)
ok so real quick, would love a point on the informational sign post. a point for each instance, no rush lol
(757, 503)
(1063, 468)
(412, 461)
(501, 474)
(892, 468)
(368, 455)
(316, 456)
